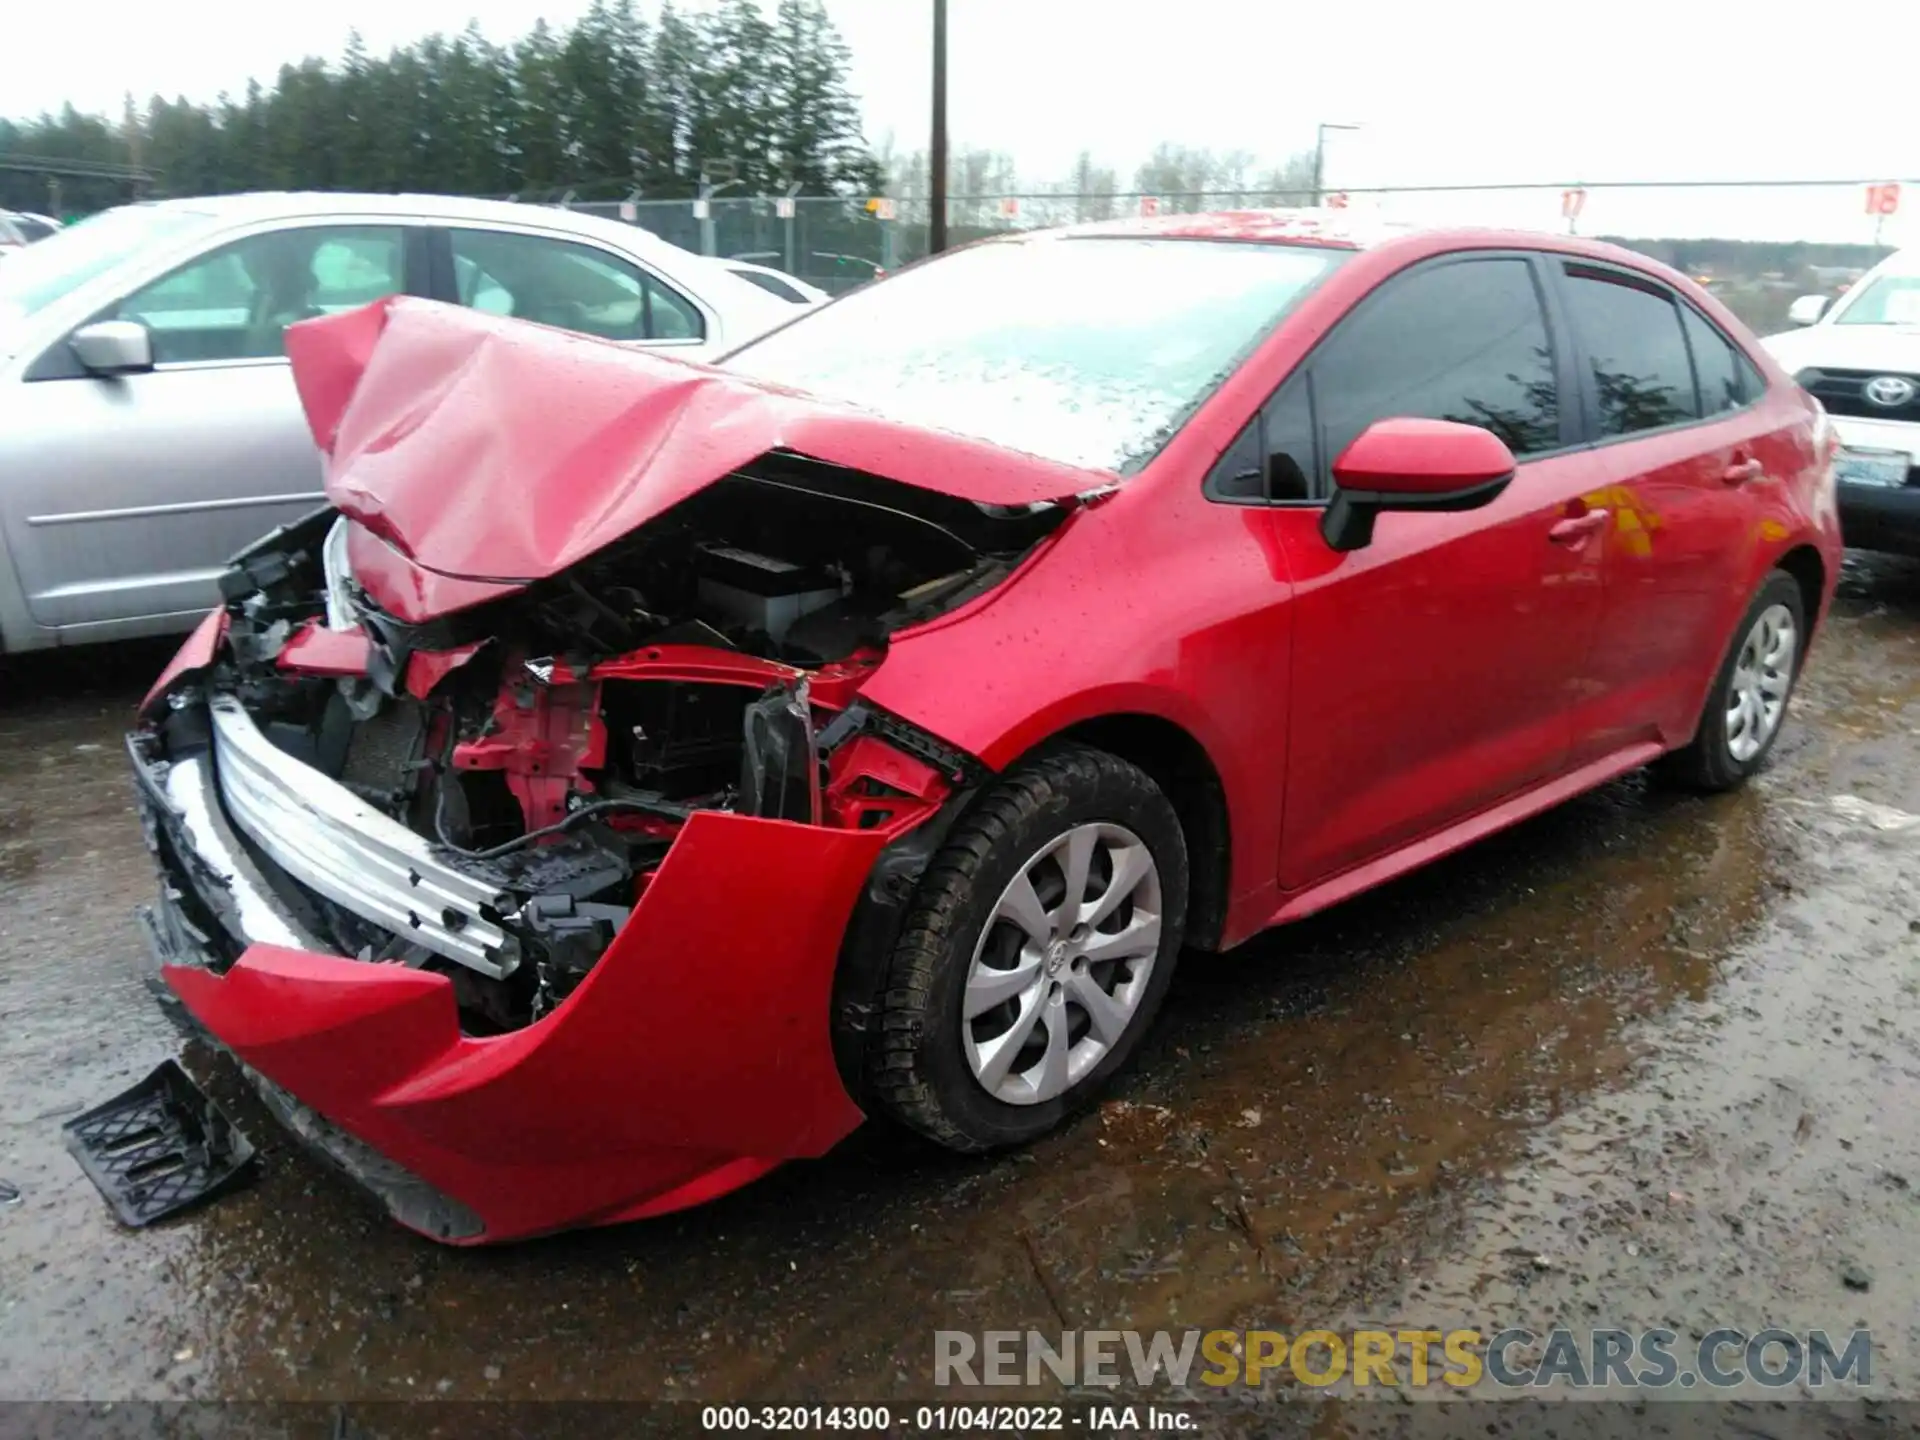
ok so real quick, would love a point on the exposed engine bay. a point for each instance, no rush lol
(487, 795)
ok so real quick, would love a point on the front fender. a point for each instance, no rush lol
(1179, 615)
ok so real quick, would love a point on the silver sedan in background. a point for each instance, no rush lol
(149, 426)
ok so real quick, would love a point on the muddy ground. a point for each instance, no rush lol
(1646, 1060)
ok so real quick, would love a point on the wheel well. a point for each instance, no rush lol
(1179, 765)
(1809, 572)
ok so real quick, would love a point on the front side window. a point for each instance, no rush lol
(1634, 345)
(569, 286)
(1290, 458)
(235, 303)
(1464, 341)
(1090, 350)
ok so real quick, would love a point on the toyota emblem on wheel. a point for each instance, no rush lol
(1890, 391)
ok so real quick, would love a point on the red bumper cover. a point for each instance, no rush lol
(694, 1058)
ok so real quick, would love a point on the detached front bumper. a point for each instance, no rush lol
(694, 1057)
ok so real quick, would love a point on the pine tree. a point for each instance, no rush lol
(609, 104)
(540, 124)
(815, 121)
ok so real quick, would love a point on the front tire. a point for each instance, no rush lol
(1037, 952)
(1748, 705)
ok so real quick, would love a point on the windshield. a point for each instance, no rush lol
(1090, 351)
(42, 273)
(1890, 300)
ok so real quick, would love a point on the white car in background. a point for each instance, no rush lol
(1859, 356)
(149, 426)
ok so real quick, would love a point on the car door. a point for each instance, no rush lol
(1435, 670)
(1681, 451)
(130, 491)
(569, 284)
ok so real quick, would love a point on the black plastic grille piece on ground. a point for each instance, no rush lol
(159, 1148)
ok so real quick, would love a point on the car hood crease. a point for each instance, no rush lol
(492, 449)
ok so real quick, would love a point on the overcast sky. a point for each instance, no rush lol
(1464, 92)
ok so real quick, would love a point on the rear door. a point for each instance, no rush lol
(1681, 450)
(128, 493)
(1437, 669)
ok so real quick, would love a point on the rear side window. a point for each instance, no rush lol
(1465, 341)
(1637, 352)
(1716, 364)
(773, 285)
(569, 286)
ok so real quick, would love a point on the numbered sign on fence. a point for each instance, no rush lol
(783, 207)
(1884, 199)
(1149, 206)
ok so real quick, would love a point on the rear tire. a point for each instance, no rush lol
(1748, 705)
(1005, 1008)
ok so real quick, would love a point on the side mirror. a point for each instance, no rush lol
(113, 347)
(1406, 464)
(1807, 310)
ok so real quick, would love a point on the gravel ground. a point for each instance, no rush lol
(1648, 1060)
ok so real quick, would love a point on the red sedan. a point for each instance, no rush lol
(642, 771)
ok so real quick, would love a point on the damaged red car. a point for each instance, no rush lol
(641, 771)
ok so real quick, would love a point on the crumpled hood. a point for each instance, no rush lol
(489, 449)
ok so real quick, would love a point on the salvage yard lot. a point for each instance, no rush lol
(1601, 1039)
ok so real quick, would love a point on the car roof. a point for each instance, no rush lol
(292, 204)
(1342, 230)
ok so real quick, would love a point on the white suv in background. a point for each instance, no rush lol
(1860, 356)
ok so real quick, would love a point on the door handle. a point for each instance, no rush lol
(1576, 528)
(1741, 471)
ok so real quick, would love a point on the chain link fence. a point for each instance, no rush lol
(1757, 244)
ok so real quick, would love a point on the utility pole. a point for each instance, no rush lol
(1320, 157)
(937, 151)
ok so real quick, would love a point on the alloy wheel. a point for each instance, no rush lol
(1762, 679)
(1062, 964)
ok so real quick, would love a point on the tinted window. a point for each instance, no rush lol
(1464, 342)
(572, 287)
(1237, 475)
(1716, 364)
(1290, 467)
(236, 302)
(1633, 342)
